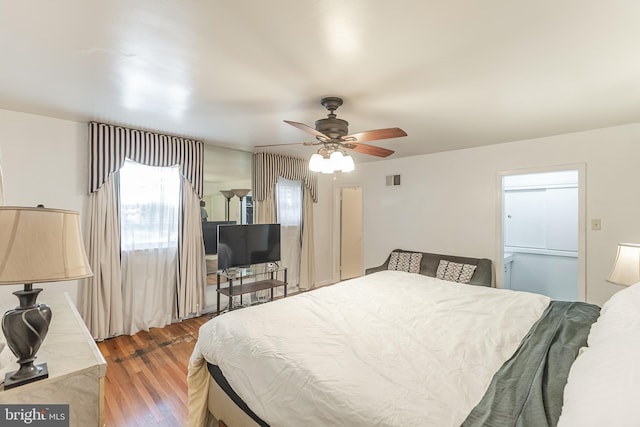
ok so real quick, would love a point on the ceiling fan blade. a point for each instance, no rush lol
(307, 129)
(279, 145)
(289, 143)
(374, 135)
(370, 149)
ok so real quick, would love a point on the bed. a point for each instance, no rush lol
(398, 348)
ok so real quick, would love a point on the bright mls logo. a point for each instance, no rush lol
(34, 415)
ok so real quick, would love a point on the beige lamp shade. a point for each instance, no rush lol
(626, 268)
(241, 192)
(227, 193)
(40, 245)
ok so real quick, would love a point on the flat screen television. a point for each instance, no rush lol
(210, 235)
(243, 245)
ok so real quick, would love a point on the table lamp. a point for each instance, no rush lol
(626, 268)
(36, 245)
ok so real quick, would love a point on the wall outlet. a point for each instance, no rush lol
(596, 224)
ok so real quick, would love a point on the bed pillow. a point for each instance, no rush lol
(455, 272)
(619, 317)
(405, 261)
(604, 382)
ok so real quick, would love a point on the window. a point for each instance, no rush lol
(289, 215)
(247, 210)
(149, 206)
(289, 202)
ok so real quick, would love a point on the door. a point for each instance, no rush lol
(350, 232)
(541, 233)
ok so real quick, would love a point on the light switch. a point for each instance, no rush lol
(595, 224)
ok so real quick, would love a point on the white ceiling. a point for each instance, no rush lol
(451, 73)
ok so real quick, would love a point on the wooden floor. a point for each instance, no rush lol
(146, 382)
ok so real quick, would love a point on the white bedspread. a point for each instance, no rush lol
(387, 349)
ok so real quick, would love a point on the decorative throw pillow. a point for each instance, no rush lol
(455, 272)
(405, 261)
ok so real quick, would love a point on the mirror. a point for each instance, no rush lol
(226, 169)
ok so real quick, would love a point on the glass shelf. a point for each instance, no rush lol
(261, 277)
(252, 271)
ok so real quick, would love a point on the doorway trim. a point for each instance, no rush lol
(337, 223)
(582, 222)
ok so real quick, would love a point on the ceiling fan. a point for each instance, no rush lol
(332, 134)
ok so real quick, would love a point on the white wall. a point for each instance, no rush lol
(44, 161)
(448, 202)
(323, 231)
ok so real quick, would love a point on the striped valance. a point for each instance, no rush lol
(111, 145)
(268, 167)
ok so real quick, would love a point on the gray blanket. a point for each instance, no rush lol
(527, 391)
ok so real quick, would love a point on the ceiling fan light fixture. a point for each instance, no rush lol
(336, 159)
(347, 164)
(315, 163)
(327, 166)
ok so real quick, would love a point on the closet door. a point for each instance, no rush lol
(525, 218)
(542, 219)
(562, 215)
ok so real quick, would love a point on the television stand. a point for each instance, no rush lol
(270, 282)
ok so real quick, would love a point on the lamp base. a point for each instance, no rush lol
(25, 328)
(15, 378)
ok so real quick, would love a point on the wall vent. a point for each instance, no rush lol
(393, 180)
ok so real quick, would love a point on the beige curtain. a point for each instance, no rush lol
(264, 211)
(149, 270)
(192, 270)
(101, 295)
(307, 264)
(267, 168)
(101, 298)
